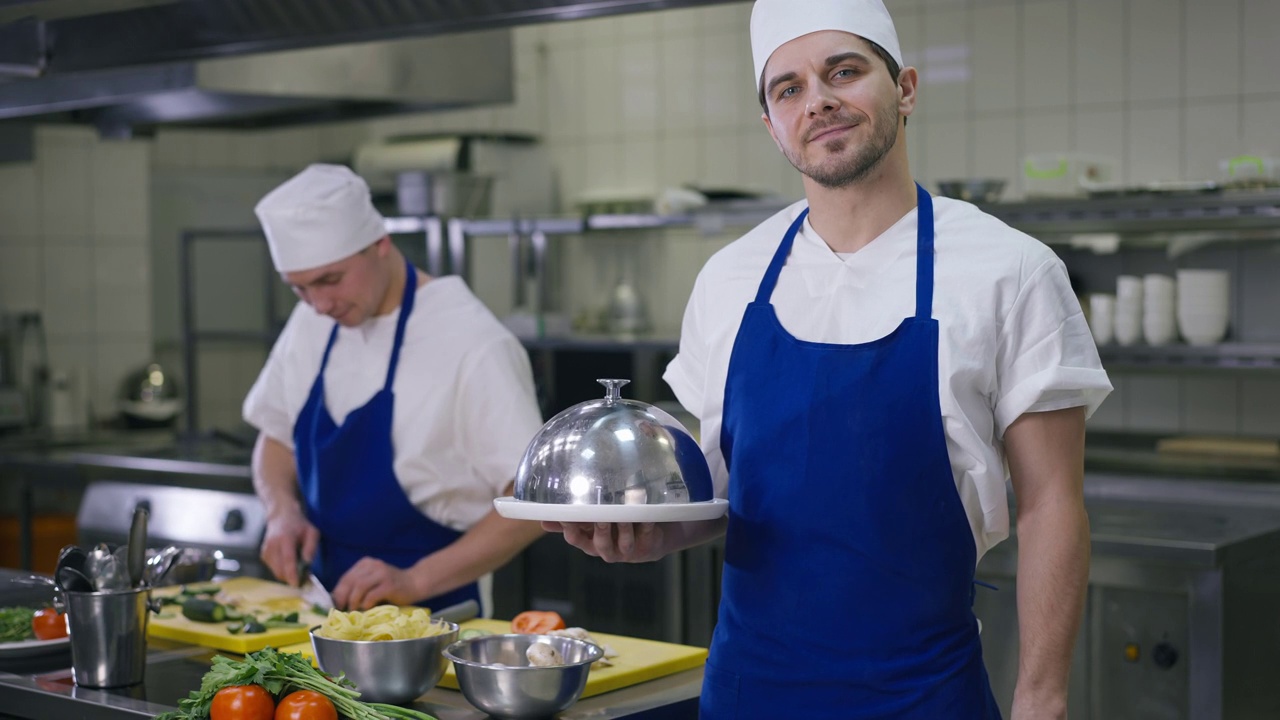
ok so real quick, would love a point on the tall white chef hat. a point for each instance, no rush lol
(777, 22)
(319, 216)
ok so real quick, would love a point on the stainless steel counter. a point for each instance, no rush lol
(41, 687)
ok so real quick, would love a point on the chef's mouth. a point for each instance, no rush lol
(824, 132)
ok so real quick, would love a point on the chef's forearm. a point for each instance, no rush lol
(1046, 464)
(488, 545)
(275, 476)
(1053, 576)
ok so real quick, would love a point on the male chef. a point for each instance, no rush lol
(865, 365)
(392, 410)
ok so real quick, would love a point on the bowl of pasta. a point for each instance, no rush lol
(391, 654)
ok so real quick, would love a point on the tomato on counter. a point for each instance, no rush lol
(242, 702)
(536, 622)
(49, 624)
(305, 705)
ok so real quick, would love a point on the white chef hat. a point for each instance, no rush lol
(777, 22)
(319, 216)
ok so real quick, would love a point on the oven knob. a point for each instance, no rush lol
(1164, 655)
(233, 522)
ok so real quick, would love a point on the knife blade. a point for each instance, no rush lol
(459, 613)
(313, 591)
(315, 594)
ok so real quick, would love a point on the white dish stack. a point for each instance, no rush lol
(1102, 317)
(1159, 325)
(1129, 300)
(1203, 305)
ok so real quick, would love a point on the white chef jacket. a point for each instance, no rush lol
(1013, 338)
(465, 406)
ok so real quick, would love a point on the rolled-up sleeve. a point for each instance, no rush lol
(1046, 357)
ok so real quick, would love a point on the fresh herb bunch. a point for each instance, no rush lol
(15, 624)
(280, 674)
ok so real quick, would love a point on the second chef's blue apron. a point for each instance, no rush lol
(849, 560)
(348, 479)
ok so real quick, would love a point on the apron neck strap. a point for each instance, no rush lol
(924, 253)
(765, 290)
(406, 306)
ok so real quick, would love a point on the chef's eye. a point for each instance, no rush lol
(788, 92)
(845, 73)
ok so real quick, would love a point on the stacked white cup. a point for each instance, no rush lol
(1128, 323)
(1159, 324)
(1102, 317)
(1203, 300)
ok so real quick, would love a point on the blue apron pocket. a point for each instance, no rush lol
(719, 699)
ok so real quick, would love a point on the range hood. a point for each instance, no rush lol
(128, 66)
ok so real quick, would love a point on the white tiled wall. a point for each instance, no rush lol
(74, 245)
(640, 102)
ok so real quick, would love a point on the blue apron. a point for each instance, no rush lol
(848, 575)
(348, 480)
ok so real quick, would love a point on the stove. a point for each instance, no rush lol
(230, 524)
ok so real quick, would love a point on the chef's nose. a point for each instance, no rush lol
(821, 101)
(321, 301)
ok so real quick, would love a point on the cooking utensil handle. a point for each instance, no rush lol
(137, 552)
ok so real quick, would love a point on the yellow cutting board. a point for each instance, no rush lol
(637, 661)
(259, 597)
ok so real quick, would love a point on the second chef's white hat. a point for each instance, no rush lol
(777, 22)
(319, 216)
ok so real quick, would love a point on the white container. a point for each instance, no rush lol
(1102, 317)
(1243, 168)
(1066, 174)
(1203, 305)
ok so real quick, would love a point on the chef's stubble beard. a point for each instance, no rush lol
(846, 172)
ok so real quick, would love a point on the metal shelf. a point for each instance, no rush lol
(1151, 213)
(1224, 356)
(621, 343)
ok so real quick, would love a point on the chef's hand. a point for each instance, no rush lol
(613, 542)
(372, 582)
(289, 537)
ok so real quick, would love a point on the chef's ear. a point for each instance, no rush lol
(908, 82)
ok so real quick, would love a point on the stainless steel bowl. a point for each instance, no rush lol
(496, 677)
(613, 452)
(386, 671)
(977, 190)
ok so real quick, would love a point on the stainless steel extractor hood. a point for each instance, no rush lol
(131, 65)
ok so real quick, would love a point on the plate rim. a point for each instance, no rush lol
(22, 647)
(701, 510)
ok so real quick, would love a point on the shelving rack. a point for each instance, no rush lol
(1235, 215)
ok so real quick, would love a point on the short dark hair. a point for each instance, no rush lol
(892, 65)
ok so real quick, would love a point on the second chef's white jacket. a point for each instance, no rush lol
(465, 406)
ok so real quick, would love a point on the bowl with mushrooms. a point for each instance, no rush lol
(521, 677)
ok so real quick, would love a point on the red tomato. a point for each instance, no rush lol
(242, 702)
(536, 622)
(305, 705)
(49, 624)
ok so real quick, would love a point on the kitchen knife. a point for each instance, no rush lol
(459, 613)
(313, 591)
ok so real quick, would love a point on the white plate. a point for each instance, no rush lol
(28, 648)
(676, 512)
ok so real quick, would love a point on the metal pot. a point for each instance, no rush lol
(613, 452)
(150, 397)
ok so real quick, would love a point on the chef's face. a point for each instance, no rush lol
(832, 107)
(350, 290)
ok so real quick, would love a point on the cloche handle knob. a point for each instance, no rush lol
(613, 389)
